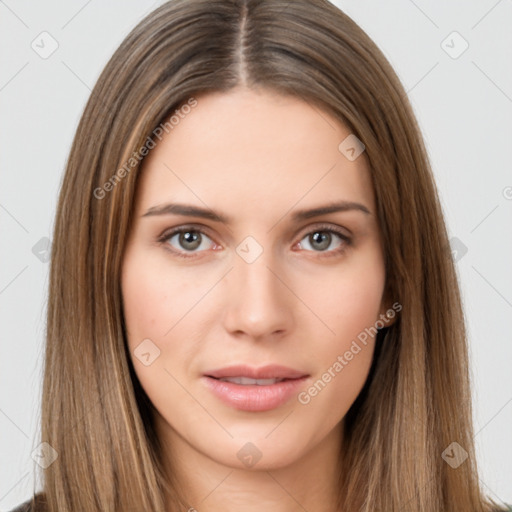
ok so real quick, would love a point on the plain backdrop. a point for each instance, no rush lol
(460, 85)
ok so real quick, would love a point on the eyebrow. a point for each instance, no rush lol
(299, 215)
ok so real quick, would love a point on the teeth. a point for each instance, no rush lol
(248, 381)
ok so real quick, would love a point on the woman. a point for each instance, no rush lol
(252, 298)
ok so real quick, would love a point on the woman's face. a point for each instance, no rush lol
(256, 278)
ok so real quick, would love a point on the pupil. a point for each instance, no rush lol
(324, 238)
(190, 239)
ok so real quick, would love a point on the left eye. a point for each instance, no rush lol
(320, 240)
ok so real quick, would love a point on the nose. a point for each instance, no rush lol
(259, 305)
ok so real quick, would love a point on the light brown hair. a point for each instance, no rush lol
(416, 400)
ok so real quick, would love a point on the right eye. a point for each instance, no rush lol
(185, 240)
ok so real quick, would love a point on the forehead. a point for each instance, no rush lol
(244, 150)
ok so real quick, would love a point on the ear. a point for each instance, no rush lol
(389, 310)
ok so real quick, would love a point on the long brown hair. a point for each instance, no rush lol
(416, 400)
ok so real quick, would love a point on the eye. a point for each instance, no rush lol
(323, 237)
(186, 240)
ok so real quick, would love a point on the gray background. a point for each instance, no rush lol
(464, 108)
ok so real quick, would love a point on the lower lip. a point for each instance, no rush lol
(252, 397)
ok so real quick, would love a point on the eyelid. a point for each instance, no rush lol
(319, 226)
(168, 232)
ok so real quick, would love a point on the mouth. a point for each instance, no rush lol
(252, 389)
(242, 371)
(247, 381)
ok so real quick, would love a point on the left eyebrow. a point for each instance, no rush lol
(196, 211)
(340, 206)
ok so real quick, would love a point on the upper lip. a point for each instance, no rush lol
(272, 371)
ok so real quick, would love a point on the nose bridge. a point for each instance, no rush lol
(253, 262)
(259, 303)
(256, 277)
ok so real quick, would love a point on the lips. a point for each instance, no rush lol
(273, 371)
(247, 381)
(255, 389)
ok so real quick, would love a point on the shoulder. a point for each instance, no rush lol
(35, 504)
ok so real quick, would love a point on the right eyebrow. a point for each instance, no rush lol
(187, 210)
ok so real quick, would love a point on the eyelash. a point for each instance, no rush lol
(325, 228)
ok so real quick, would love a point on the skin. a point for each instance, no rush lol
(257, 157)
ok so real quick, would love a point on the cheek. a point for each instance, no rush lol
(349, 299)
(144, 300)
(155, 306)
(166, 317)
(155, 299)
(350, 307)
